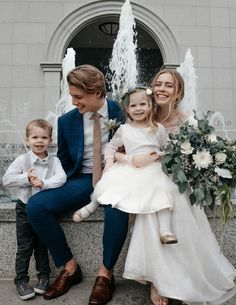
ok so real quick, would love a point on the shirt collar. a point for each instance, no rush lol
(103, 111)
(36, 159)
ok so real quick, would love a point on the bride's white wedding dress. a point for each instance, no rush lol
(194, 270)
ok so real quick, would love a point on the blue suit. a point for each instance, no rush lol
(44, 207)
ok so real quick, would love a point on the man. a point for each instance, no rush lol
(75, 150)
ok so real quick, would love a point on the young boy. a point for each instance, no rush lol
(32, 172)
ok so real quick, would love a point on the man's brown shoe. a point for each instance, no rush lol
(63, 283)
(102, 291)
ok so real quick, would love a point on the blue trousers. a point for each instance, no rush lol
(45, 207)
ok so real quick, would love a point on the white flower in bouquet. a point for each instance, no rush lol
(186, 148)
(220, 157)
(212, 138)
(202, 159)
(224, 173)
(199, 170)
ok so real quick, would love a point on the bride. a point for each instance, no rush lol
(193, 270)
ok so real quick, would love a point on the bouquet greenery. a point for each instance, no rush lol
(204, 163)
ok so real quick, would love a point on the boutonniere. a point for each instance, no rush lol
(112, 125)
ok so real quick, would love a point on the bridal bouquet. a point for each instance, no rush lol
(204, 163)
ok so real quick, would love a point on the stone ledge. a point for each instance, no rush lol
(85, 240)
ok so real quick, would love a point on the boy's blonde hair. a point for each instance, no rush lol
(39, 123)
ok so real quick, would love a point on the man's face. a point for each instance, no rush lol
(85, 102)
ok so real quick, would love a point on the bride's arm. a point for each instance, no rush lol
(137, 160)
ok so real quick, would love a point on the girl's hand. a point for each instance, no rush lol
(145, 159)
(120, 157)
(108, 164)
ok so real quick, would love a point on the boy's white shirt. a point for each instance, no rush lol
(15, 177)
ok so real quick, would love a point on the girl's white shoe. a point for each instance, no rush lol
(85, 212)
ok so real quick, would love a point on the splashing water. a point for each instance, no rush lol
(123, 64)
(65, 102)
(188, 73)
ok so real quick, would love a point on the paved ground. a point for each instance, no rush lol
(126, 293)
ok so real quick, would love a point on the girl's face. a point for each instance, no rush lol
(164, 89)
(139, 107)
(38, 140)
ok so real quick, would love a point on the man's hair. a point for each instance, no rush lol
(39, 123)
(88, 78)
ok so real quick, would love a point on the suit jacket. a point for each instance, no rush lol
(71, 137)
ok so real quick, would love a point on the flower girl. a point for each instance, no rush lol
(141, 190)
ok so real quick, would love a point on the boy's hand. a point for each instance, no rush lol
(34, 180)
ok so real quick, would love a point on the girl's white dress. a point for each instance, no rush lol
(194, 270)
(136, 190)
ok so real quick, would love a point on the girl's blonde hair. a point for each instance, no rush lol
(125, 101)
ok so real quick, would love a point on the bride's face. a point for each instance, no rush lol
(164, 89)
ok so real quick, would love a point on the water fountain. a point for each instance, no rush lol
(123, 64)
(188, 72)
(65, 102)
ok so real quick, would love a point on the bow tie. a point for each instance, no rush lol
(43, 162)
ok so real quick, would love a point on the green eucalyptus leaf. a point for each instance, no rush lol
(195, 173)
(192, 199)
(165, 168)
(181, 176)
(182, 187)
(199, 194)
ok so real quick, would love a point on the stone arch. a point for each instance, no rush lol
(86, 14)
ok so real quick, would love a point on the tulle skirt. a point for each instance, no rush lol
(194, 270)
(136, 190)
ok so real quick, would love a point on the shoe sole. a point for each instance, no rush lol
(26, 297)
(75, 282)
(39, 291)
(104, 303)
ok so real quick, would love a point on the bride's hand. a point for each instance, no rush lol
(145, 159)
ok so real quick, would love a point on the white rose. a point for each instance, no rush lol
(212, 138)
(220, 157)
(186, 148)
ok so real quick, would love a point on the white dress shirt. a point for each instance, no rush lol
(16, 177)
(87, 165)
